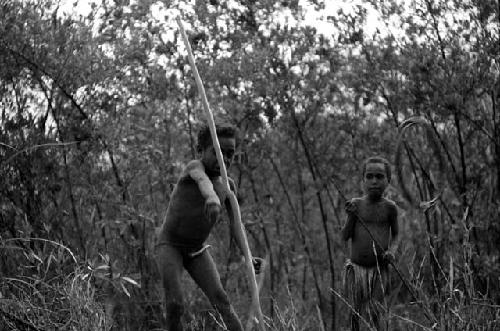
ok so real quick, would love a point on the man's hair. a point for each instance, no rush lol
(378, 159)
(224, 130)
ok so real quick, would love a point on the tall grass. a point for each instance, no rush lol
(44, 287)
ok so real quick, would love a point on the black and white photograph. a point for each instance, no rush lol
(249, 165)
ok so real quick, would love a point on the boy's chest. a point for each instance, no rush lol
(374, 214)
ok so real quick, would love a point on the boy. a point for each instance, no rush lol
(194, 208)
(366, 270)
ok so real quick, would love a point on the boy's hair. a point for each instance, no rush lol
(378, 159)
(224, 130)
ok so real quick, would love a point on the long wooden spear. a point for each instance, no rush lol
(232, 197)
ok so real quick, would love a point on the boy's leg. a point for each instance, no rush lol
(204, 272)
(374, 312)
(352, 296)
(377, 296)
(169, 261)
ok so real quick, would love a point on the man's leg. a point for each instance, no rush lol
(204, 272)
(169, 261)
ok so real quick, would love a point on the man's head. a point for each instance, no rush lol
(376, 176)
(227, 139)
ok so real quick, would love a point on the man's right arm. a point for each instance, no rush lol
(196, 171)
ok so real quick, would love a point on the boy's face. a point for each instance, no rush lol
(209, 158)
(375, 180)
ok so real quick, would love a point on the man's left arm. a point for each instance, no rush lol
(234, 226)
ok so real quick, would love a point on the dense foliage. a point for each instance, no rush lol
(99, 112)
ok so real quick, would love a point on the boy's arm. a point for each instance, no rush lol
(196, 171)
(348, 229)
(393, 221)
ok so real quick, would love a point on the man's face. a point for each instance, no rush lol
(209, 158)
(375, 180)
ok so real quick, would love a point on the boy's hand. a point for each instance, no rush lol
(258, 263)
(350, 206)
(212, 211)
(388, 257)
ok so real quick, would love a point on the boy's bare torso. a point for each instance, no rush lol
(379, 217)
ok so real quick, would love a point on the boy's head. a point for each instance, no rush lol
(226, 134)
(376, 176)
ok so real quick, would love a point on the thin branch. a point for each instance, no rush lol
(31, 148)
(36, 67)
